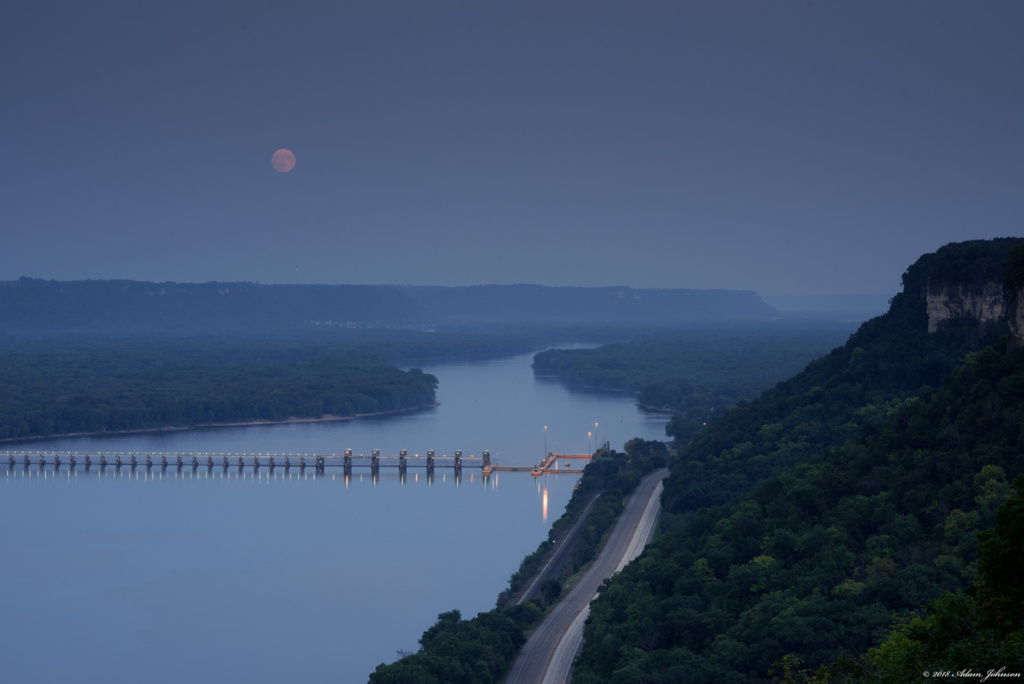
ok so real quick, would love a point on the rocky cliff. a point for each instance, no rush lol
(983, 302)
(964, 281)
(1013, 286)
(1016, 320)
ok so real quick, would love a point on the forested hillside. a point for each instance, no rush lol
(800, 525)
(61, 391)
(698, 372)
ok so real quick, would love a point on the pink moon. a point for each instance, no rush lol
(283, 161)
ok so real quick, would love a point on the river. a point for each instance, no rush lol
(114, 575)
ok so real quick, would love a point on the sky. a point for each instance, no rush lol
(791, 148)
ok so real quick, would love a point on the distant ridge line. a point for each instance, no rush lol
(38, 306)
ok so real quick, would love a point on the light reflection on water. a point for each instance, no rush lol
(235, 569)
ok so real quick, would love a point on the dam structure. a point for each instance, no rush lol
(346, 461)
(552, 464)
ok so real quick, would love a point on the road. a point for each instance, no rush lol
(547, 656)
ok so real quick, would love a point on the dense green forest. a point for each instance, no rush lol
(98, 384)
(68, 392)
(476, 651)
(698, 373)
(802, 526)
(977, 633)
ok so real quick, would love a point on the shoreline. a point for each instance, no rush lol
(326, 418)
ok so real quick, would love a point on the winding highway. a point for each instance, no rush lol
(547, 656)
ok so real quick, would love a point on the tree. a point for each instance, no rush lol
(551, 589)
(1001, 564)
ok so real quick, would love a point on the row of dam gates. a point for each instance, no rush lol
(318, 462)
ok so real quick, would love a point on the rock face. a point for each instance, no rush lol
(965, 281)
(949, 301)
(1016, 320)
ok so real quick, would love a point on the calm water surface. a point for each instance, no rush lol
(166, 576)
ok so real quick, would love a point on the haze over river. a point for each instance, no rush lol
(193, 576)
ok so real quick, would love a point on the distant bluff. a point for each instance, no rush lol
(33, 306)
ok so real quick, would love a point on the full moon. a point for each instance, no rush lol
(283, 161)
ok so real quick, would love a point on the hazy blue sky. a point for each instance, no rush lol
(785, 147)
